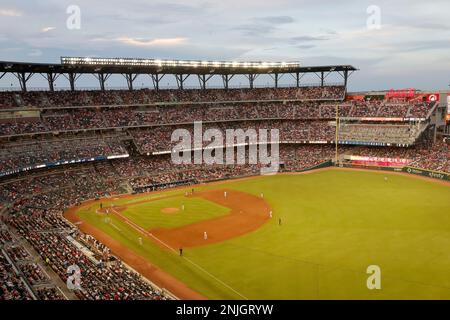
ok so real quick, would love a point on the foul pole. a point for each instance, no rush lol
(337, 135)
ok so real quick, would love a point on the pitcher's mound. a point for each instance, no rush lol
(170, 210)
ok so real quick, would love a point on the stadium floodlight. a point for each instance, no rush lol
(175, 63)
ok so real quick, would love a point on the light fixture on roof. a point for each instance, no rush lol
(171, 63)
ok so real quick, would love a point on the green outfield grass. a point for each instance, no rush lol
(334, 225)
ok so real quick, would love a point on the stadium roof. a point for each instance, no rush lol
(94, 65)
(156, 68)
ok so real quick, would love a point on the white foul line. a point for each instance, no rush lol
(141, 230)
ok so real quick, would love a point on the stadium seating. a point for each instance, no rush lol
(120, 141)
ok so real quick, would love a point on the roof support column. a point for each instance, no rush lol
(51, 78)
(72, 77)
(345, 80)
(130, 77)
(322, 77)
(297, 78)
(180, 80)
(23, 78)
(276, 77)
(251, 79)
(203, 79)
(156, 78)
(226, 80)
(345, 75)
(102, 77)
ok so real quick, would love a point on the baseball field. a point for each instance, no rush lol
(287, 236)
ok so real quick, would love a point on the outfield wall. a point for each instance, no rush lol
(349, 165)
(325, 164)
(438, 175)
(427, 173)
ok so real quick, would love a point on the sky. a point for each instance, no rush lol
(394, 44)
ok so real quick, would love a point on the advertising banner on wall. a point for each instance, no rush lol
(427, 173)
(403, 93)
(448, 108)
(448, 104)
(378, 161)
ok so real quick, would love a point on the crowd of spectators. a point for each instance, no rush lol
(37, 215)
(430, 157)
(436, 157)
(290, 131)
(23, 152)
(33, 273)
(21, 278)
(405, 134)
(46, 99)
(62, 120)
(51, 293)
(27, 152)
(12, 286)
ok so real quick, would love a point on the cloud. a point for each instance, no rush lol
(152, 42)
(308, 38)
(10, 13)
(35, 53)
(431, 26)
(305, 46)
(252, 30)
(263, 25)
(47, 29)
(414, 37)
(276, 19)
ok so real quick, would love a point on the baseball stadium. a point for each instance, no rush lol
(89, 184)
(235, 151)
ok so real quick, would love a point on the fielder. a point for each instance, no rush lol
(225, 194)
(205, 236)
